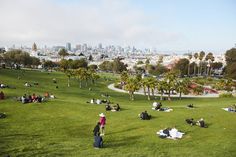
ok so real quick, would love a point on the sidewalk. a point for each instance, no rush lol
(111, 86)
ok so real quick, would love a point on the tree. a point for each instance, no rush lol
(161, 87)
(69, 73)
(170, 80)
(49, 65)
(118, 66)
(131, 86)
(81, 75)
(93, 75)
(230, 57)
(201, 56)
(140, 62)
(90, 58)
(124, 77)
(156, 70)
(34, 47)
(106, 66)
(62, 53)
(93, 67)
(183, 66)
(182, 87)
(195, 65)
(190, 56)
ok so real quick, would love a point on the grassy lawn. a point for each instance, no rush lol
(63, 126)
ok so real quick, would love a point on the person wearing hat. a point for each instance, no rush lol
(102, 123)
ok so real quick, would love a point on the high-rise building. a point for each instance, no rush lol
(100, 45)
(78, 47)
(84, 47)
(68, 46)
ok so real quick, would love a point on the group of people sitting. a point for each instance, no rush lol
(200, 122)
(98, 101)
(170, 133)
(2, 96)
(31, 98)
(145, 116)
(112, 108)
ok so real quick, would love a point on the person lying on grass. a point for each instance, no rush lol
(144, 116)
(156, 105)
(113, 108)
(190, 121)
(170, 133)
(190, 106)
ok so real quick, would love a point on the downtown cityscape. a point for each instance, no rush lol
(117, 78)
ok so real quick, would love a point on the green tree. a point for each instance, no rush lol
(230, 57)
(183, 66)
(124, 77)
(131, 86)
(182, 87)
(195, 65)
(63, 52)
(69, 73)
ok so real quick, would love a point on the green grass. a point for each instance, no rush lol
(63, 126)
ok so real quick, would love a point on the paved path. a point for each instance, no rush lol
(111, 86)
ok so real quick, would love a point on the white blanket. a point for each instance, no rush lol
(166, 109)
(174, 134)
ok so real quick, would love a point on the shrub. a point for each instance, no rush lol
(226, 95)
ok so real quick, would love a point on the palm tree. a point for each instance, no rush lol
(144, 85)
(69, 73)
(93, 75)
(131, 86)
(62, 52)
(169, 78)
(123, 78)
(190, 56)
(201, 56)
(81, 74)
(161, 87)
(153, 85)
(195, 57)
(182, 87)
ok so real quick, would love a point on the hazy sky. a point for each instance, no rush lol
(208, 25)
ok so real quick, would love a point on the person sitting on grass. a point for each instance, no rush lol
(98, 101)
(201, 123)
(24, 99)
(116, 107)
(190, 121)
(2, 96)
(190, 106)
(92, 101)
(108, 107)
(98, 141)
(144, 116)
(3, 115)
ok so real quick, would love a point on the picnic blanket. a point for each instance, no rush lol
(174, 134)
(229, 109)
(163, 109)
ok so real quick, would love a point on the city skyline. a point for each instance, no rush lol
(163, 25)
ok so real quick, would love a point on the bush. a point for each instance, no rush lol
(226, 95)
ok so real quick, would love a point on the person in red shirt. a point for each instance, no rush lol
(102, 123)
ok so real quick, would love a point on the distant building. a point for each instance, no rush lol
(34, 47)
(100, 46)
(78, 47)
(68, 46)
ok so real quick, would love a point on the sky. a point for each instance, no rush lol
(164, 25)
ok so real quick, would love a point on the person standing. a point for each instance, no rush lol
(102, 123)
(96, 129)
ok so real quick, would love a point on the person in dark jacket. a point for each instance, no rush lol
(190, 121)
(98, 141)
(96, 130)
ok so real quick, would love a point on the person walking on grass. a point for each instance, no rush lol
(102, 123)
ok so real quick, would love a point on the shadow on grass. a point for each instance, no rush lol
(121, 142)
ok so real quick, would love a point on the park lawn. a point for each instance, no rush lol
(63, 126)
